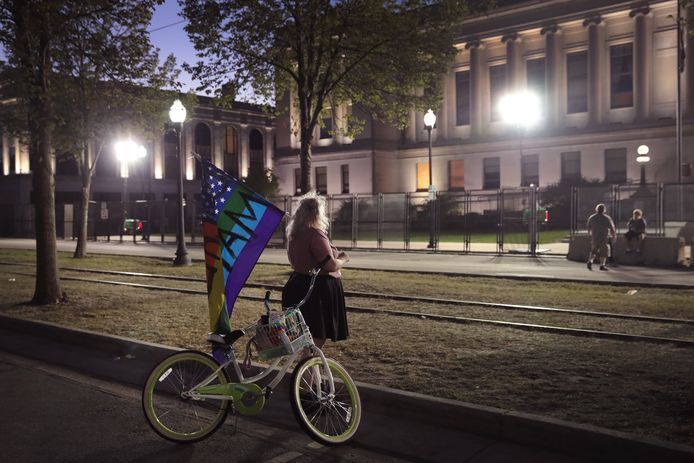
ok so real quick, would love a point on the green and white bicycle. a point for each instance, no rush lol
(188, 395)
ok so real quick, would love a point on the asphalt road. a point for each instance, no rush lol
(54, 414)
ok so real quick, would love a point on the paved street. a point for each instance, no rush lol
(551, 268)
(55, 414)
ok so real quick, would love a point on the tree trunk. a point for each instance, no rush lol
(47, 290)
(305, 160)
(85, 172)
(83, 220)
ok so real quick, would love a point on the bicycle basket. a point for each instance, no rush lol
(282, 333)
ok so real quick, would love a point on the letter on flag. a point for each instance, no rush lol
(237, 223)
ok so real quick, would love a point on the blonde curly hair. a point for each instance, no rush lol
(309, 214)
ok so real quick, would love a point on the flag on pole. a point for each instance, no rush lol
(237, 224)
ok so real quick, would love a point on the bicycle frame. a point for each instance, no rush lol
(275, 364)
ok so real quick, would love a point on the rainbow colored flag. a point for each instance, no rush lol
(237, 224)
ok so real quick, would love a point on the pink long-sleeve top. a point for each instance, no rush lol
(308, 248)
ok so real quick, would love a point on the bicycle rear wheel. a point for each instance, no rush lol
(173, 414)
(330, 420)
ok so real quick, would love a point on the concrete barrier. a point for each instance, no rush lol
(656, 251)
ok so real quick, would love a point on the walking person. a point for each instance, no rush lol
(307, 246)
(600, 228)
(636, 231)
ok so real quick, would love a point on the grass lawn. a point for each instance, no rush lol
(645, 389)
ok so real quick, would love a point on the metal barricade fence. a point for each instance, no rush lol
(519, 220)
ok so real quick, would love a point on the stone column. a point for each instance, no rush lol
(269, 145)
(595, 84)
(688, 34)
(243, 150)
(218, 144)
(476, 99)
(158, 157)
(641, 75)
(188, 149)
(514, 62)
(552, 74)
(5, 154)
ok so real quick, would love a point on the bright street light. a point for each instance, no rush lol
(521, 109)
(177, 114)
(643, 158)
(429, 122)
(128, 151)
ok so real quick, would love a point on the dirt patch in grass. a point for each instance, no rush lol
(639, 388)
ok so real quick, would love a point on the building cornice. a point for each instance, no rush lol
(536, 14)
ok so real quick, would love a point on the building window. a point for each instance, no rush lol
(462, 98)
(492, 173)
(322, 180)
(326, 128)
(422, 176)
(255, 150)
(344, 174)
(456, 174)
(12, 152)
(577, 82)
(231, 158)
(616, 165)
(530, 170)
(497, 88)
(621, 76)
(297, 182)
(571, 166)
(535, 69)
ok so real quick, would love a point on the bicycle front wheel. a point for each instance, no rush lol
(171, 412)
(328, 419)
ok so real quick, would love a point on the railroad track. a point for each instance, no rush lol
(412, 299)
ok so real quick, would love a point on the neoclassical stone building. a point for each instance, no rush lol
(234, 138)
(605, 72)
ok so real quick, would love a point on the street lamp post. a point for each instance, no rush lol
(642, 158)
(177, 114)
(429, 122)
(522, 110)
(127, 152)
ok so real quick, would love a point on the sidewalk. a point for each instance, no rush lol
(507, 266)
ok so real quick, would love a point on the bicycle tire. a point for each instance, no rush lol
(173, 416)
(330, 421)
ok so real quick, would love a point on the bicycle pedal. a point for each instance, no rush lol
(268, 393)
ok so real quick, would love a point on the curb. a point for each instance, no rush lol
(129, 361)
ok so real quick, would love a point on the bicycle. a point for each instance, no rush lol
(187, 396)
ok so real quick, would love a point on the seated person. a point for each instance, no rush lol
(636, 231)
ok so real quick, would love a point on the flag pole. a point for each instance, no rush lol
(678, 104)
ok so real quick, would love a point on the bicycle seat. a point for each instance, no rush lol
(229, 339)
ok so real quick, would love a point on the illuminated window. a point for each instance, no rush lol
(497, 88)
(456, 174)
(492, 173)
(621, 76)
(530, 170)
(577, 82)
(462, 98)
(422, 176)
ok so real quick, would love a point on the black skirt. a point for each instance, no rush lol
(324, 312)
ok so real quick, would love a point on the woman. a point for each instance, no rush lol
(308, 245)
(636, 231)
